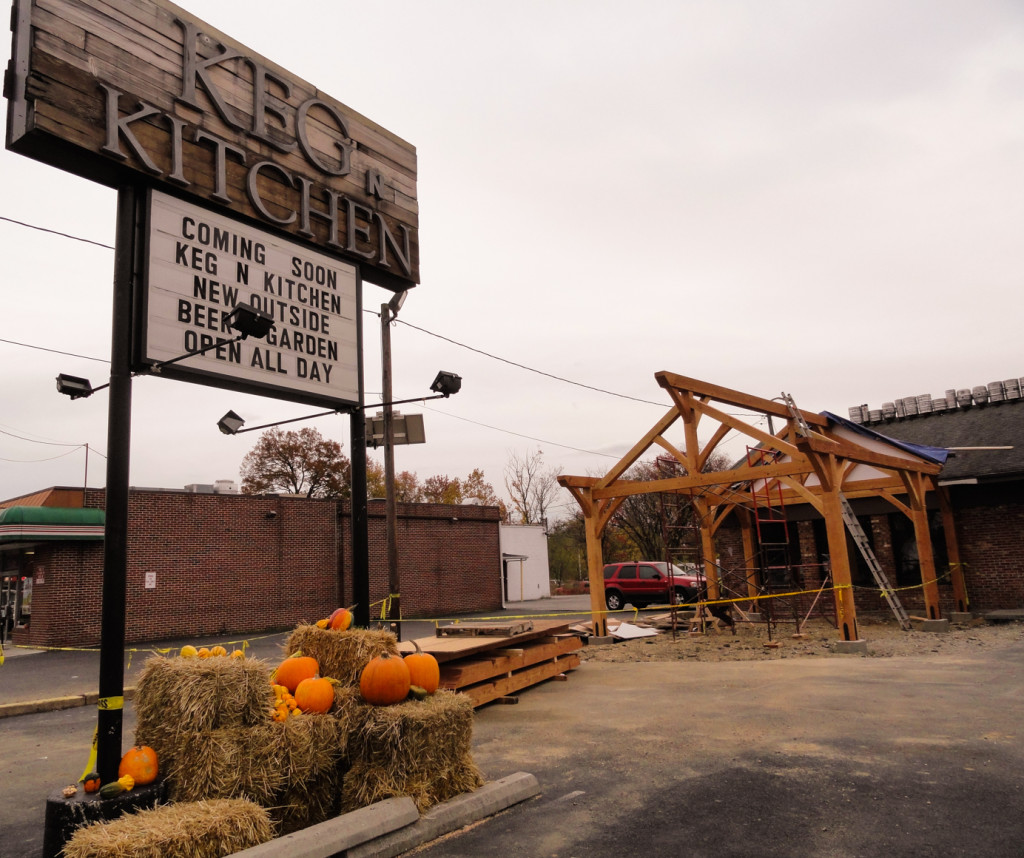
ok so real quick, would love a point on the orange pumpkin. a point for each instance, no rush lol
(315, 695)
(424, 670)
(340, 620)
(293, 670)
(140, 763)
(385, 680)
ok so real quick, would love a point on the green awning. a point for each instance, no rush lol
(47, 523)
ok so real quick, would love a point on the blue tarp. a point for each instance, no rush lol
(932, 454)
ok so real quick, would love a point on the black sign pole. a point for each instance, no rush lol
(115, 544)
(360, 516)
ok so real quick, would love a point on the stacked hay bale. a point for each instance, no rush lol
(420, 748)
(209, 722)
(189, 830)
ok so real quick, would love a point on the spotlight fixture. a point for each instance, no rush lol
(446, 383)
(230, 423)
(75, 387)
(250, 321)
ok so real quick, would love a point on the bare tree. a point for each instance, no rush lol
(531, 486)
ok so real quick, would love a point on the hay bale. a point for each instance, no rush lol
(311, 753)
(294, 767)
(420, 748)
(234, 762)
(206, 829)
(178, 698)
(192, 694)
(341, 655)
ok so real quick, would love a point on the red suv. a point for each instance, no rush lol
(644, 582)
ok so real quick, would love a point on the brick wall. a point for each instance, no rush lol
(239, 564)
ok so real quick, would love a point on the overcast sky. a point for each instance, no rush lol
(825, 199)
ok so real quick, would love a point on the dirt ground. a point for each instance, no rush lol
(885, 640)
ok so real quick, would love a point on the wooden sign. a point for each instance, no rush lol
(140, 91)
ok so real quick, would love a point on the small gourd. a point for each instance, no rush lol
(91, 782)
(121, 785)
(340, 620)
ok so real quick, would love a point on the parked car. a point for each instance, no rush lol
(645, 582)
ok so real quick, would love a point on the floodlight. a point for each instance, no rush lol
(446, 383)
(73, 386)
(396, 302)
(250, 321)
(230, 423)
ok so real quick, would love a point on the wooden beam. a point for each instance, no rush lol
(628, 488)
(638, 449)
(670, 381)
(855, 453)
(773, 442)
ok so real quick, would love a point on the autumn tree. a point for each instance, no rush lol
(531, 486)
(299, 462)
(408, 488)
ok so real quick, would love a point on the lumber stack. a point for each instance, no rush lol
(488, 667)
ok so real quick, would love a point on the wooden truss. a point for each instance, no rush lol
(810, 459)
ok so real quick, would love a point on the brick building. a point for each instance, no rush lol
(211, 564)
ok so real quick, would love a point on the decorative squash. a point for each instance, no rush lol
(385, 680)
(189, 651)
(121, 785)
(424, 670)
(91, 782)
(340, 620)
(293, 670)
(218, 650)
(315, 695)
(141, 764)
(111, 790)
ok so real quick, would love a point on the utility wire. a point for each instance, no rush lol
(56, 232)
(53, 351)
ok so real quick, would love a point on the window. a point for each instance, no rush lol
(649, 573)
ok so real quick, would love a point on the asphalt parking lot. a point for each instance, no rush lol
(837, 757)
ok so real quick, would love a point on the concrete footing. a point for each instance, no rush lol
(961, 617)
(850, 647)
(600, 640)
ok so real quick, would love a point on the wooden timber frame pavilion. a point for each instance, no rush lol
(817, 459)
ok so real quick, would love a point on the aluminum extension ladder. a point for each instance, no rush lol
(857, 532)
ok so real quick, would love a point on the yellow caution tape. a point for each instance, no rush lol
(110, 704)
(90, 766)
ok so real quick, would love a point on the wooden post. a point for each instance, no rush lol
(839, 557)
(956, 569)
(595, 565)
(707, 541)
(749, 553)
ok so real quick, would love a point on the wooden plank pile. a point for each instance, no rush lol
(493, 662)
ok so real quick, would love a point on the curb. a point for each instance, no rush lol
(450, 816)
(393, 826)
(55, 704)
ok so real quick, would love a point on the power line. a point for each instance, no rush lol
(520, 434)
(56, 232)
(53, 351)
(529, 368)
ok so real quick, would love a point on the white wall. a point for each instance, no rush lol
(530, 579)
